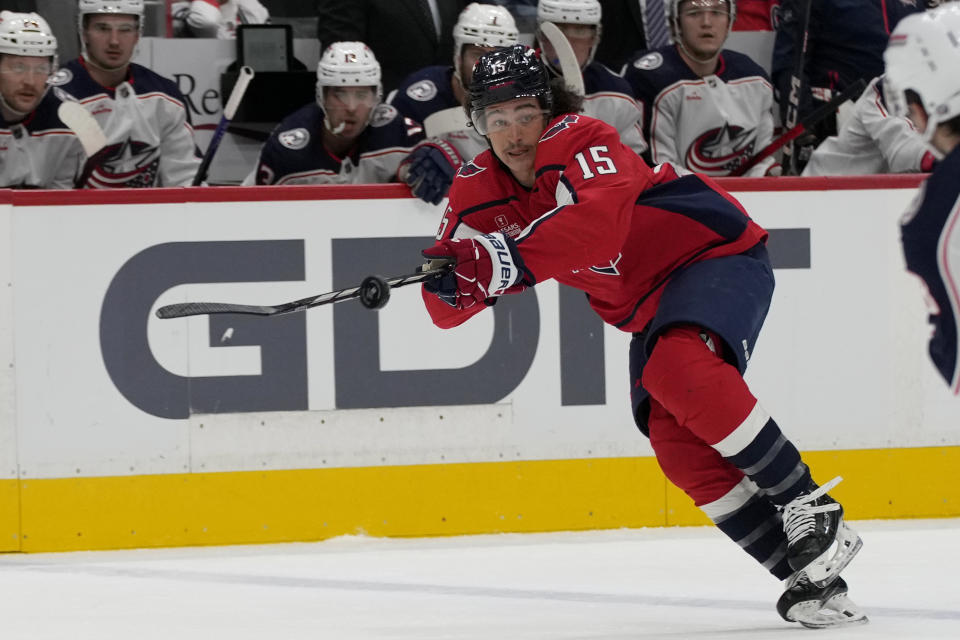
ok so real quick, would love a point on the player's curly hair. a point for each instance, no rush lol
(564, 100)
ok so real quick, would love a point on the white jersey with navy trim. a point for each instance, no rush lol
(150, 141)
(39, 151)
(872, 140)
(295, 154)
(710, 125)
(608, 98)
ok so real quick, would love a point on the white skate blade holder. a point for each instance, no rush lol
(831, 562)
(838, 611)
(825, 568)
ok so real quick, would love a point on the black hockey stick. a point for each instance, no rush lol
(796, 83)
(236, 95)
(373, 292)
(808, 121)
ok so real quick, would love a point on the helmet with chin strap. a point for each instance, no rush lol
(348, 64)
(110, 7)
(26, 34)
(673, 17)
(922, 57)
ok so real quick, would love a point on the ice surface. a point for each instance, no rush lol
(600, 585)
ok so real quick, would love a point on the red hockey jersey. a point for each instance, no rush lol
(597, 219)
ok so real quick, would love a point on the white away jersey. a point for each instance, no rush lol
(149, 138)
(608, 99)
(709, 125)
(295, 154)
(871, 141)
(40, 151)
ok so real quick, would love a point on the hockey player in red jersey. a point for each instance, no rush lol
(673, 259)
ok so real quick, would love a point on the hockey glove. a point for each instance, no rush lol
(484, 267)
(430, 168)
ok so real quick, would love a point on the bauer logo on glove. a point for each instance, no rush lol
(486, 266)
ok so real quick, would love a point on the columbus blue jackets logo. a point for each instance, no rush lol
(383, 114)
(560, 126)
(294, 138)
(470, 169)
(649, 62)
(130, 163)
(720, 150)
(60, 77)
(422, 91)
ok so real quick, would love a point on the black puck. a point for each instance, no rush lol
(374, 292)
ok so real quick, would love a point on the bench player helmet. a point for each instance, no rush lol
(505, 74)
(673, 17)
(586, 12)
(116, 7)
(348, 64)
(27, 34)
(922, 57)
(484, 25)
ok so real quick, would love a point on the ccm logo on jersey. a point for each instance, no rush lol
(560, 126)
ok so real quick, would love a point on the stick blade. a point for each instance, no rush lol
(83, 125)
(184, 309)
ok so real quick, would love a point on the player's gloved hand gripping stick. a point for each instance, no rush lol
(483, 267)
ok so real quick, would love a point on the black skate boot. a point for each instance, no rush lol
(819, 542)
(818, 607)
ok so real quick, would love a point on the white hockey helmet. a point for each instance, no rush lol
(673, 14)
(348, 64)
(122, 7)
(922, 56)
(116, 7)
(485, 25)
(586, 12)
(569, 11)
(27, 34)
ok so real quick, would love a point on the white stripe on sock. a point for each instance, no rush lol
(744, 434)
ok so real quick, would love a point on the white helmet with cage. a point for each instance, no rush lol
(922, 57)
(484, 25)
(27, 34)
(348, 64)
(673, 14)
(585, 12)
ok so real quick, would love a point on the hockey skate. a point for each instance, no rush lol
(819, 542)
(818, 607)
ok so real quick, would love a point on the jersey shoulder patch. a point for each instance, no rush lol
(649, 62)
(383, 114)
(294, 138)
(560, 125)
(422, 91)
(470, 169)
(60, 77)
